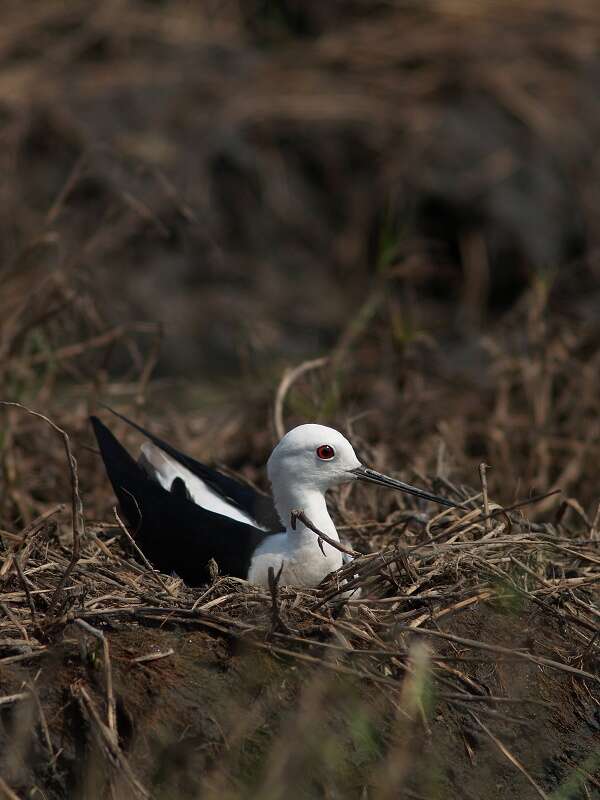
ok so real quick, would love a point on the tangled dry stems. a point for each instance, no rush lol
(422, 569)
(431, 572)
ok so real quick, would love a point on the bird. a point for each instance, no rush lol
(183, 514)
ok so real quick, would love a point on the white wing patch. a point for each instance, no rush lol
(165, 469)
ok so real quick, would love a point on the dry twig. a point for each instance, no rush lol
(78, 525)
(111, 707)
(289, 378)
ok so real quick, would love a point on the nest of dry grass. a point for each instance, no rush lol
(426, 571)
(428, 583)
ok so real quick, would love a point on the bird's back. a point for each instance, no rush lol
(176, 534)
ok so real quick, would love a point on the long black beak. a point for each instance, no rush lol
(366, 474)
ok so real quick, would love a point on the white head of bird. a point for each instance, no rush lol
(308, 461)
(311, 459)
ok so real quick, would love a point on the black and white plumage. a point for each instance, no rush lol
(177, 534)
(183, 514)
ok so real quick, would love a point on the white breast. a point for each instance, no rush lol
(303, 562)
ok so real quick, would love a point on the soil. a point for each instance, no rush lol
(179, 719)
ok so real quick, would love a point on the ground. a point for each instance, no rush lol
(497, 696)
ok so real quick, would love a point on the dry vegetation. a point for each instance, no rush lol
(468, 666)
(475, 630)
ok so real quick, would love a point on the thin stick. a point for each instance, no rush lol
(108, 741)
(587, 606)
(9, 699)
(153, 656)
(77, 520)
(548, 662)
(6, 792)
(595, 524)
(298, 514)
(134, 544)
(484, 490)
(492, 515)
(17, 564)
(95, 342)
(15, 620)
(111, 707)
(536, 498)
(72, 178)
(43, 723)
(15, 643)
(290, 376)
(513, 759)
(277, 622)
(12, 537)
(594, 781)
(23, 656)
(33, 528)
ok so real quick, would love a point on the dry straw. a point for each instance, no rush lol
(470, 557)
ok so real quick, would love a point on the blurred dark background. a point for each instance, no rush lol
(413, 187)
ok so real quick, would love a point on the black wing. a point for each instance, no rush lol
(256, 504)
(175, 534)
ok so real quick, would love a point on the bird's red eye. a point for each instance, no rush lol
(326, 452)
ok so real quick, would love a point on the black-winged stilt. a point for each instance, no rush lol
(183, 513)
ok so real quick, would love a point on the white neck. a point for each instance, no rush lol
(311, 501)
(296, 552)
